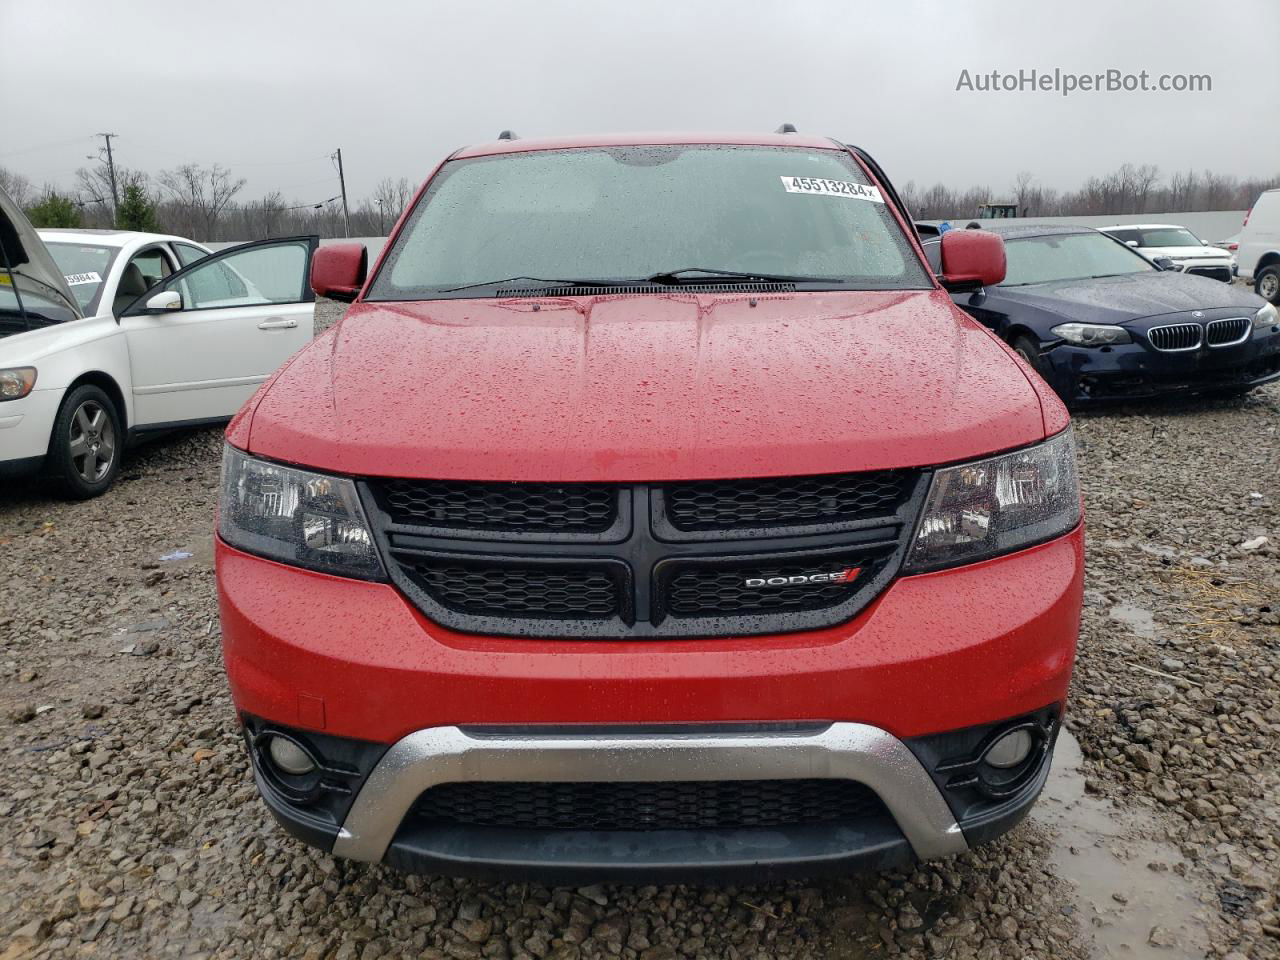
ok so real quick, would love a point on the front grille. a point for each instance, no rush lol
(507, 590)
(677, 805)
(582, 507)
(784, 501)
(630, 561)
(1178, 336)
(1225, 333)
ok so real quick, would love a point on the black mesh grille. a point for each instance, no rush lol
(568, 508)
(727, 804)
(706, 591)
(508, 590)
(1228, 331)
(785, 501)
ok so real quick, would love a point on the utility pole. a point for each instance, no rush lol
(111, 171)
(346, 217)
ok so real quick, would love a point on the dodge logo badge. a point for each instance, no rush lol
(847, 575)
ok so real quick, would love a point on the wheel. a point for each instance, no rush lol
(84, 452)
(1029, 351)
(1267, 284)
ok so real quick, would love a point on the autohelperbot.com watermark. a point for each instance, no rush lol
(1066, 82)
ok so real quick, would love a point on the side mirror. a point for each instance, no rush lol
(1131, 243)
(971, 259)
(338, 271)
(1164, 263)
(164, 300)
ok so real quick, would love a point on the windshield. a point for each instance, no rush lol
(629, 213)
(1069, 256)
(85, 266)
(1158, 237)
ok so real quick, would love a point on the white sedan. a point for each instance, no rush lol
(107, 336)
(1188, 252)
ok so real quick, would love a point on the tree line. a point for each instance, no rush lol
(205, 202)
(1129, 190)
(197, 201)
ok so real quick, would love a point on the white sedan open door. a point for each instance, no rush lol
(203, 339)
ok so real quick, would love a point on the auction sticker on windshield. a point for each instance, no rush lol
(833, 188)
(74, 278)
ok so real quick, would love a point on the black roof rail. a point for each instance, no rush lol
(786, 128)
(508, 135)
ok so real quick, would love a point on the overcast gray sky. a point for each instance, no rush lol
(270, 87)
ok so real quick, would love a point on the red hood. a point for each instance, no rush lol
(647, 387)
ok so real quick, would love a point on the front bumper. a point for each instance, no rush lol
(348, 664)
(1131, 371)
(25, 428)
(918, 819)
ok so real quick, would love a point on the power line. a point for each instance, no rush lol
(43, 146)
(312, 206)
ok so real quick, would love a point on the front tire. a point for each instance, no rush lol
(1029, 351)
(87, 442)
(1267, 284)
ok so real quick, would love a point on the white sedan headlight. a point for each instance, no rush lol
(988, 507)
(1091, 334)
(1268, 316)
(16, 382)
(295, 516)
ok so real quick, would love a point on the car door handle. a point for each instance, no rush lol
(277, 324)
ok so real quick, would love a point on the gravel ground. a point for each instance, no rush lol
(129, 825)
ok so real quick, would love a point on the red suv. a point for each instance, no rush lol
(652, 513)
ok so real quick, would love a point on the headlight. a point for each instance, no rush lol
(989, 507)
(1268, 316)
(1091, 334)
(16, 382)
(295, 516)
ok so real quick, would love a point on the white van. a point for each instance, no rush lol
(1259, 253)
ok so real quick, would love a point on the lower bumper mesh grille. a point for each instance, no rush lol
(677, 805)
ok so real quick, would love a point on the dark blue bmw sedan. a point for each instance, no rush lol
(1100, 321)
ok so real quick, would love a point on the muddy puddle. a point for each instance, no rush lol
(1138, 619)
(1131, 899)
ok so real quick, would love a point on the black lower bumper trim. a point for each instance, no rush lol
(650, 856)
(309, 829)
(986, 826)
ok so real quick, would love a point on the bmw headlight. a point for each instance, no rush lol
(1092, 334)
(295, 516)
(1268, 316)
(988, 507)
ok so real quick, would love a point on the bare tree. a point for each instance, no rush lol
(18, 187)
(1028, 195)
(391, 197)
(203, 193)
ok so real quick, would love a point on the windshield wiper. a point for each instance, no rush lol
(676, 277)
(544, 281)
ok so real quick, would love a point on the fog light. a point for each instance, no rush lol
(290, 757)
(1010, 750)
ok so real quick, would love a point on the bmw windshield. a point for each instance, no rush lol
(675, 213)
(1069, 256)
